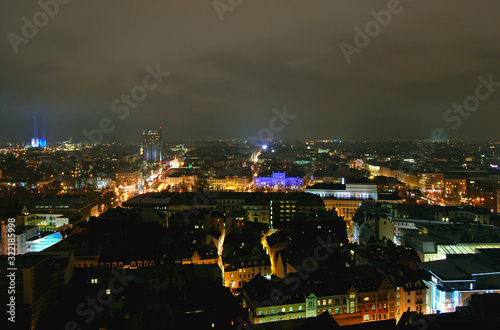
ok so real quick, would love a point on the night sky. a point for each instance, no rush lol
(226, 76)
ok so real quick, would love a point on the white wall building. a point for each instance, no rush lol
(362, 191)
(17, 239)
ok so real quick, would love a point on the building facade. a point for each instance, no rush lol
(229, 183)
(152, 146)
(18, 239)
(453, 280)
(345, 208)
(360, 191)
(236, 274)
(370, 300)
(278, 182)
(128, 179)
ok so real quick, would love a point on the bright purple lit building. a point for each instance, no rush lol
(278, 181)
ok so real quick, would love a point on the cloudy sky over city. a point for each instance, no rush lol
(229, 67)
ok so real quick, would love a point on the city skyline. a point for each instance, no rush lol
(347, 71)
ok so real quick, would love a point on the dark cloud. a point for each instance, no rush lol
(226, 77)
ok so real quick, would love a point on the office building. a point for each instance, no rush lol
(128, 179)
(152, 146)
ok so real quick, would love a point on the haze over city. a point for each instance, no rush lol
(229, 68)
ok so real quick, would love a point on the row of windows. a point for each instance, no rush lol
(253, 269)
(249, 263)
(120, 264)
(52, 207)
(245, 275)
(45, 217)
(356, 204)
(336, 310)
(335, 301)
(373, 307)
(43, 223)
(381, 316)
(280, 318)
(380, 297)
(380, 306)
(282, 310)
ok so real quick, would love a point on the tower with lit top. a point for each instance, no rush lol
(152, 145)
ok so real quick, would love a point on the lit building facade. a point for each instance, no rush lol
(46, 222)
(18, 240)
(152, 146)
(229, 183)
(279, 182)
(432, 183)
(365, 301)
(236, 274)
(407, 178)
(345, 198)
(345, 208)
(28, 239)
(409, 298)
(195, 259)
(361, 191)
(99, 183)
(455, 188)
(128, 179)
(455, 279)
(175, 181)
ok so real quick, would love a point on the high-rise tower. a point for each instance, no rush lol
(152, 146)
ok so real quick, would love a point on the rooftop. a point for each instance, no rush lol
(148, 199)
(463, 266)
(62, 201)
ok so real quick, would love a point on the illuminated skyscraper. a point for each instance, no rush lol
(152, 146)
